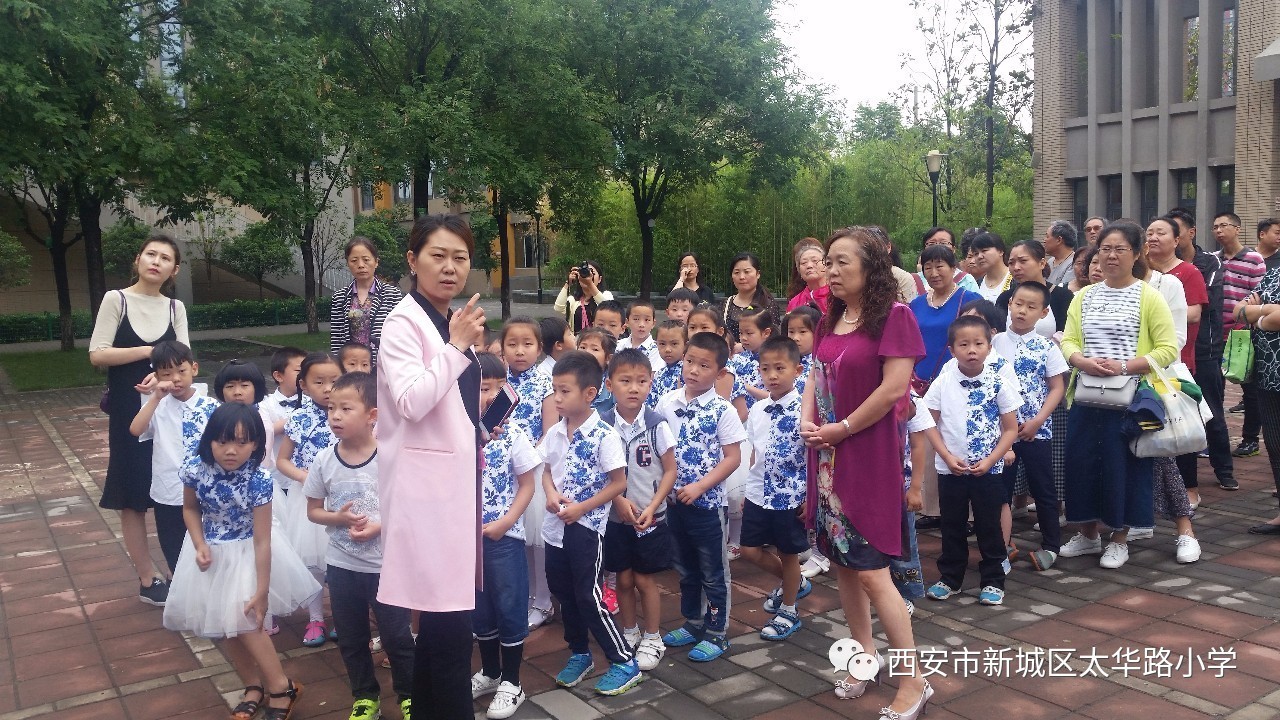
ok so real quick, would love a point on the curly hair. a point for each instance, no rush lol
(879, 289)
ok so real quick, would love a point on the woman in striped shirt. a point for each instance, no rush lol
(358, 310)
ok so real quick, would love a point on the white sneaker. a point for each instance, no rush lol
(1081, 545)
(482, 684)
(911, 608)
(375, 645)
(1188, 549)
(1141, 533)
(1114, 556)
(1030, 508)
(649, 653)
(505, 703)
(632, 638)
(815, 566)
(735, 552)
(539, 617)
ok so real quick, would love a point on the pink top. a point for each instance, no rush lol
(820, 297)
(868, 475)
(427, 479)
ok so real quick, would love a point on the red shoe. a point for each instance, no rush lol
(610, 600)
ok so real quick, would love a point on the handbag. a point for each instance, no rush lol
(1183, 430)
(1114, 392)
(1237, 359)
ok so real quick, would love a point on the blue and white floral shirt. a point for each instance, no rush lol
(175, 428)
(970, 410)
(308, 428)
(649, 347)
(580, 469)
(1035, 360)
(506, 457)
(806, 365)
(227, 499)
(703, 427)
(745, 367)
(533, 386)
(665, 380)
(777, 479)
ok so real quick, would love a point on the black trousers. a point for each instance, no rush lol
(1208, 376)
(1037, 457)
(1269, 412)
(351, 595)
(170, 531)
(1252, 418)
(985, 494)
(573, 575)
(442, 666)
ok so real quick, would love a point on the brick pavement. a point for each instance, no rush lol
(75, 642)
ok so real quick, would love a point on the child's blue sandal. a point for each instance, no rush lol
(679, 637)
(709, 649)
(774, 601)
(781, 627)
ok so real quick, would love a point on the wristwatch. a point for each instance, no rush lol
(1124, 367)
(847, 429)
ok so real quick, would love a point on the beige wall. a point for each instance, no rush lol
(1257, 122)
(1055, 100)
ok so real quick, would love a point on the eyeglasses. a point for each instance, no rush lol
(1114, 250)
(1220, 226)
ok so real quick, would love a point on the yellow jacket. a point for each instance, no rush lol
(1156, 338)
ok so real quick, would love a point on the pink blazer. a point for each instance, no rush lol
(426, 468)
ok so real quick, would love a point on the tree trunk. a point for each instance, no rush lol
(90, 209)
(990, 121)
(58, 253)
(309, 275)
(646, 244)
(259, 287)
(499, 209)
(421, 187)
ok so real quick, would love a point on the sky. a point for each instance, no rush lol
(855, 46)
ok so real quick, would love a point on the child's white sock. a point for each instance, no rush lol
(652, 636)
(633, 630)
(790, 609)
(316, 608)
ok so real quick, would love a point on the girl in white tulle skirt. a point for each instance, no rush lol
(230, 573)
(306, 433)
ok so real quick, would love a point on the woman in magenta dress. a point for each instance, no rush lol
(867, 347)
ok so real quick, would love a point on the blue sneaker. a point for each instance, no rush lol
(710, 648)
(991, 595)
(940, 591)
(575, 670)
(774, 601)
(679, 637)
(620, 678)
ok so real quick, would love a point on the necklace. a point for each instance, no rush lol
(844, 315)
(933, 300)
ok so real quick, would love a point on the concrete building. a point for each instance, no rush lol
(1141, 105)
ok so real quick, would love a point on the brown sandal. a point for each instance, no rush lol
(274, 713)
(248, 708)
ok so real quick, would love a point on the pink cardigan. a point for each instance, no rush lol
(427, 481)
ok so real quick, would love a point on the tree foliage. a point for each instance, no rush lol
(15, 271)
(262, 249)
(387, 230)
(121, 243)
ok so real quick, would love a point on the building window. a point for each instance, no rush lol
(403, 193)
(1226, 186)
(1149, 187)
(1079, 202)
(1191, 59)
(1115, 63)
(1115, 196)
(366, 196)
(1082, 59)
(1186, 180)
(1229, 52)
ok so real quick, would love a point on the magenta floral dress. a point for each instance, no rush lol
(859, 514)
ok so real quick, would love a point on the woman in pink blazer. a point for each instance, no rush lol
(428, 470)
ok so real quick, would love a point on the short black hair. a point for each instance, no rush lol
(986, 240)
(350, 346)
(990, 312)
(491, 366)
(607, 339)
(225, 424)
(170, 354)
(612, 306)
(240, 370)
(311, 360)
(712, 343)
(964, 322)
(639, 303)
(534, 326)
(809, 314)
(781, 344)
(363, 383)
(1265, 224)
(759, 318)
(1036, 287)
(683, 293)
(1234, 218)
(629, 357)
(671, 325)
(281, 358)
(1064, 231)
(582, 367)
(553, 330)
(1187, 217)
(709, 314)
(936, 253)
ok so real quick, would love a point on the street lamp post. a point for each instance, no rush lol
(933, 162)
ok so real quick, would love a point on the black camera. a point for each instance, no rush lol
(584, 270)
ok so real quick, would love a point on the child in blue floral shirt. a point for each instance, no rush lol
(585, 470)
(975, 409)
(709, 437)
(801, 324)
(754, 327)
(671, 338)
(776, 487)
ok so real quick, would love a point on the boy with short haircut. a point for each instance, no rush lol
(776, 486)
(557, 339)
(670, 337)
(610, 316)
(173, 417)
(637, 544)
(355, 357)
(342, 494)
(710, 435)
(681, 302)
(285, 365)
(975, 409)
(1041, 370)
(640, 318)
(585, 471)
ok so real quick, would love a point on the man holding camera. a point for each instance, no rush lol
(581, 293)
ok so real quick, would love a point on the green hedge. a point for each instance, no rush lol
(34, 327)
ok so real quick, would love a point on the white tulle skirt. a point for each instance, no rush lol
(307, 539)
(210, 603)
(534, 513)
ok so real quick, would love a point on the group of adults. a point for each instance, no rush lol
(882, 327)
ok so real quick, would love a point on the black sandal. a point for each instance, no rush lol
(274, 713)
(248, 708)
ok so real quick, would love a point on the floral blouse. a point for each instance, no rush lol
(308, 428)
(227, 499)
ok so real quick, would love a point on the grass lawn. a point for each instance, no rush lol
(307, 341)
(51, 369)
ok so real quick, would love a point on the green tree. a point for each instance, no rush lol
(389, 232)
(213, 229)
(120, 244)
(15, 271)
(262, 249)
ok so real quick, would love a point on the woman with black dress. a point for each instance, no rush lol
(129, 322)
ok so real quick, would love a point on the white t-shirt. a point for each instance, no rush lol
(991, 293)
(547, 364)
(969, 413)
(1175, 295)
(173, 445)
(331, 479)
(648, 347)
(274, 409)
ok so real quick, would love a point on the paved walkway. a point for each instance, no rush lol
(75, 642)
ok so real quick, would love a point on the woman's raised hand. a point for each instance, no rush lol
(466, 326)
